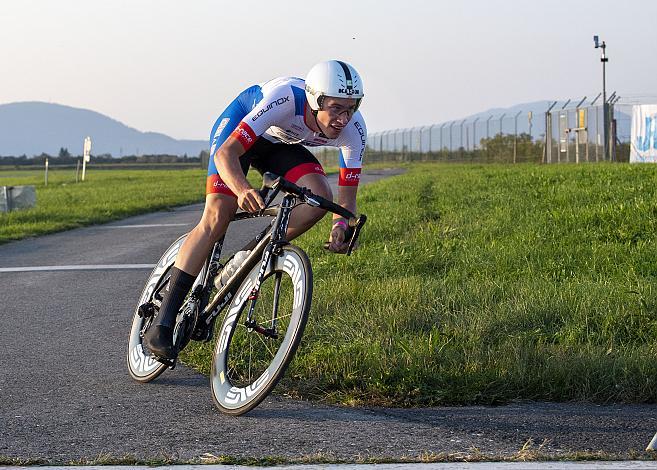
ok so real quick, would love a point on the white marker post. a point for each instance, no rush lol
(46, 176)
(653, 444)
(86, 155)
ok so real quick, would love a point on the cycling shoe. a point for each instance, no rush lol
(158, 339)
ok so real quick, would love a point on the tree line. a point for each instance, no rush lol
(64, 157)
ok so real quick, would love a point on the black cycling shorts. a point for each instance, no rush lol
(292, 161)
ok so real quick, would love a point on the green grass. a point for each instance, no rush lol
(105, 195)
(483, 284)
(473, 284)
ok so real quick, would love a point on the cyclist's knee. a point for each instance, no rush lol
(317, 183)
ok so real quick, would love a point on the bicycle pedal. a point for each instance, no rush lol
(146, 310)
(171, 363)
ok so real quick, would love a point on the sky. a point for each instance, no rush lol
(173, 66)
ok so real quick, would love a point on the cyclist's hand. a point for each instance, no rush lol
(250, 200)
(337, 242)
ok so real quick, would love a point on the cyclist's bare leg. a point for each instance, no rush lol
(303, 217)
(219, 210)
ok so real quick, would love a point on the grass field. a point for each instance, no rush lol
(473, 284)
(483, 284)
(105, 195)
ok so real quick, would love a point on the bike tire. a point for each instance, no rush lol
(141, 366)
(235, 391)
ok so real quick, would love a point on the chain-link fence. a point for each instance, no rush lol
(560, 132)
(493, 138)
(575, 135)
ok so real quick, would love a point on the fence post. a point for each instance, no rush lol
(408, 151)
(597, 128)
(441, 137)
(547, 154)
(474, 136)
(515, 136)
(488, 137)
(430, 132)
(577, 129)
(421, 153)
(450, 137)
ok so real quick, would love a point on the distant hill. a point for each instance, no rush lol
(537, 108)
(31, 128)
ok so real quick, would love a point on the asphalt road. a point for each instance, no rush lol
(65, 393)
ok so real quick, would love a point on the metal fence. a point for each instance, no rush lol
(504, 137)
(452, 135)
(562, 132)
(575, 135)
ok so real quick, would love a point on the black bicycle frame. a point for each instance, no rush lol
(265, 243)
(262, 247)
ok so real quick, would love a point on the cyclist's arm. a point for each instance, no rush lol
(227, 160)
(346, 199)
(254, 124)
(338, 242)
(352, 148)
(347, 191)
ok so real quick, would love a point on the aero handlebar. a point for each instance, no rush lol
(277, 183)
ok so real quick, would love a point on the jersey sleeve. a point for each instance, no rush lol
(352, 149)
(274, 106)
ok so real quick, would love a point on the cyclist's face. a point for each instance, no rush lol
(335, 115)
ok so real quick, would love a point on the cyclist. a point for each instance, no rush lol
(266, 127)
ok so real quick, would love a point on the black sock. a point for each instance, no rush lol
(177, 290)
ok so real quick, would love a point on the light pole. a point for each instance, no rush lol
(605, 106)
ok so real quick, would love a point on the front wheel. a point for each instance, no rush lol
(251, 354)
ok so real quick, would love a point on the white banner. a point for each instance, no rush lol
(643, 146)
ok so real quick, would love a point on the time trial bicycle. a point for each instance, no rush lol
(266, 289)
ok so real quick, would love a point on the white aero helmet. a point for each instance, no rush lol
(332, 78)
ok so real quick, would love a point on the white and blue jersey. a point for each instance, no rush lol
(275, 111)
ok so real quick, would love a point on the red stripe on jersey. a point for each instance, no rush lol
(215, 185)
(349, 177)
(245, 135)
(304, 169)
